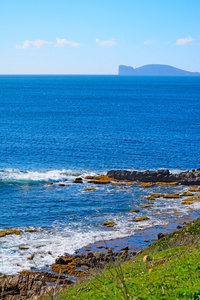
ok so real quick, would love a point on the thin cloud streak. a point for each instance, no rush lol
(108, 43)
(184, 41)
(40, 43)
(33, 44)
(62, 42)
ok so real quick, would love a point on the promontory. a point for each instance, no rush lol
(154, 70)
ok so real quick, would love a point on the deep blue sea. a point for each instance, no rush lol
(55, 128)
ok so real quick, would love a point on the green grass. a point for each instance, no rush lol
(175, 272)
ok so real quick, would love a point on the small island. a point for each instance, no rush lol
(154, 70)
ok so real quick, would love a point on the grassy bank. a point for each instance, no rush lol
(171, 271)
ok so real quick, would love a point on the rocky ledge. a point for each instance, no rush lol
(33, 285)
(14, 287)
(185, 178)
(82, 265)
(30, 285)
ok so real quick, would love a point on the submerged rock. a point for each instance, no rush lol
(10, 231)
(153, 196)
(101, 179)
(141, 219)
(172, 196)
(78, 180)
(96, 181)
(31, 230)
(109, 224)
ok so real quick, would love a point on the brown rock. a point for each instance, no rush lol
(23, 248)
(49, 277)
(141, 219)
(31, 257)
(21, 287)
(64, 260)
(109, 224)
(147, 184)
(63, 269)
(89, 177)
(31, 230)
(99, 181)
(10, 231)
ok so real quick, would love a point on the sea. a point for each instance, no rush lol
(54, 128)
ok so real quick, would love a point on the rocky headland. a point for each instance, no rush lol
(185, 178)
(154, 70)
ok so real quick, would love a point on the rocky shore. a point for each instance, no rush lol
(185, 178)
(29, 285)
(32, 285)
(68, 268)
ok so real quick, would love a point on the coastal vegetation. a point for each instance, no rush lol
(168, 269)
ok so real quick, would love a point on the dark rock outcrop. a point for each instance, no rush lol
(185, 178)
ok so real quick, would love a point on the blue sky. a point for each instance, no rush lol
(96, 36)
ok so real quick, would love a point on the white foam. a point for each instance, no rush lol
(54, 243)
(63, 238)
(15, 175)
(53, 175)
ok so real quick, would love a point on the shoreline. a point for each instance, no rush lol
(138, 241)
(130, 245)
(45, 283)
(142, 237)
(73, 266)
(19, 284)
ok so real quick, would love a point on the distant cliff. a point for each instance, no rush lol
(154, 70)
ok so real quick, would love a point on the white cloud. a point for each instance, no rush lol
(109, 43)
(184, 41)
(62, 42)
(32, 44)
(148, 42)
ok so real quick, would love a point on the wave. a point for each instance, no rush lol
(17, 176)
(49, 243)
(14, 175)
